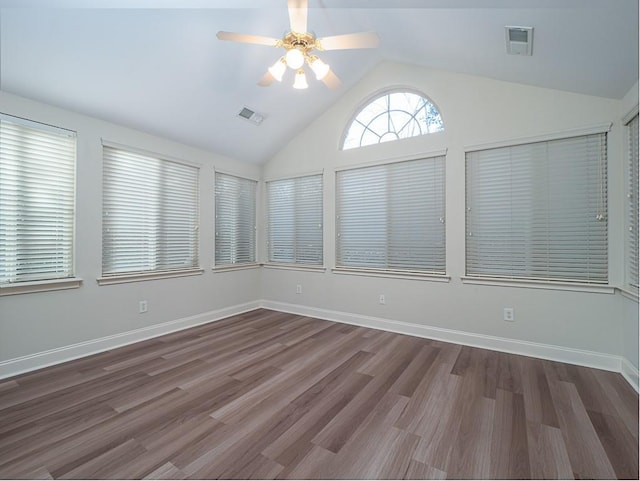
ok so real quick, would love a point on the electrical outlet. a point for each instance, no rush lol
(298, 289)
(508, 314)
(143, 307)
(382, 300)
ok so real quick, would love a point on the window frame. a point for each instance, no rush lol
(631, 205)
(68, 279)
(296, 265)
(108, 278)
(377, 96)
(399, 273)
(603, 128)
(235, 265)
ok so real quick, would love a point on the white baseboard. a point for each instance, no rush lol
(630, 373)
(42, 359)
(597, 360)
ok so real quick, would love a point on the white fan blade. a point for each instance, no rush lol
(266, 80)
(331, 80)
(241, 37)
(350, 40)
(298, 15)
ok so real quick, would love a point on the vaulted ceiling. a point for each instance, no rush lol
(156, 65)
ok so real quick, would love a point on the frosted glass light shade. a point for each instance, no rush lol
(277, 69)
(295, 58)
(300, 82)
(320, 68)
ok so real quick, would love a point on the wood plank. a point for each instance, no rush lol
(618, 443)
(93, 391)
(510, 372)
(162, 383)
(418, 470)
(260, 467)
(8, 385)
(431, 415)
(622, 398)
(39, 473)
(548, 456)
(76, 449)
(509, 443)
(588, 457)
(102, 465)
(537, 397)
(342, 427)
(416, 371)
(53, 428)
(389, 449)
(295, 443)
(313, 463)
(166, 471)
(269, 398)
(471, 450)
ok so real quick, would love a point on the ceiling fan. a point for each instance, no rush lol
(299, 45)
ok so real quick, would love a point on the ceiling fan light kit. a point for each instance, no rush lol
(300, 81)
(278, 69)
(319, 68)
(295, 58)
(299, 44)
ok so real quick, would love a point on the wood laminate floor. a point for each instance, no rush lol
(273, 395)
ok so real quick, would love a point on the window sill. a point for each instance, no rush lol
(295, 267)
(629, 294)
(40, 286)
(146, 276)
(539, 284)
(235, 267)
(415, 275)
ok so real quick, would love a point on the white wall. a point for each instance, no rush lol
(475, 111)
(31, 323)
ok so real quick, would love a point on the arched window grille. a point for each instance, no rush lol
(392, 116)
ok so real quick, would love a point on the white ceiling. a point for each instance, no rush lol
(161, 69)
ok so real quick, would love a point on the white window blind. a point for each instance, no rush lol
(37, 201)
(295, 220)
(539, 211)
(392, 216)
(632, 211)
(150, 214)
(235, 206)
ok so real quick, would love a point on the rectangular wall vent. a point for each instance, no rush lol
(251, 116)
(519, 40)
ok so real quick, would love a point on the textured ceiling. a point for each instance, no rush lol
(161, 69)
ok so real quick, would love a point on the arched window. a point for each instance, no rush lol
(392, 116)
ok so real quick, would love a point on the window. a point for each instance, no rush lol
(393, 116)
(295, 220)
(235, 202)
(391, 216)
(37, 201)
(632, 205)
(150, 214)
(539, 211)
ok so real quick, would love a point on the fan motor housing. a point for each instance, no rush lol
(303, 41)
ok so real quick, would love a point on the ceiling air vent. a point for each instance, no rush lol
(251, 116)
(519, 40)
